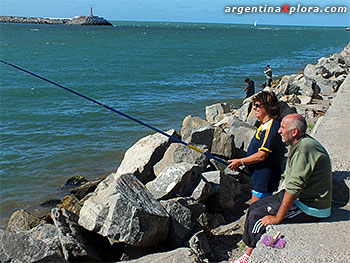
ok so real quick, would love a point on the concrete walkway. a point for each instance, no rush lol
(326, 241)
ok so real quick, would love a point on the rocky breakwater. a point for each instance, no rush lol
(166, 202)
(79, 20)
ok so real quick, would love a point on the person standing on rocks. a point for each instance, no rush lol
(250, 89)
(266, 150)
(268, 75)
(306, 193)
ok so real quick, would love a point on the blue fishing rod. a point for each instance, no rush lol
(123, 114)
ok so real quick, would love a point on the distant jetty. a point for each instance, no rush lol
(78, 20)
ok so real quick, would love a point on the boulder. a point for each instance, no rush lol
(285, 109)
(226, 189)
(131, 252)
(21, 221)
(202, 136)
(125, 211)
(183, 219)
(76, 180)
(141, 157)
(245, 110)
(200, 245)
(308, 87)
(223, 144)
(209, 221)
(332, 68)
(183, 255)
(292, 99)
(48, 234)
(71, 203)
(282, 87)
(305, 99)
(343, 57)
(243, 132)
(214, 113)
(203, 191)
(179, 153)
(74, 245)
(315, 72)
(188, 124)
(81, 191)
(18, 247)
(178, 179)
(302, 85)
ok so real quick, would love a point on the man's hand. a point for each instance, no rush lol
(270, 220)
(287, 202)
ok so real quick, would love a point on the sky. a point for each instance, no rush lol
(203, 11)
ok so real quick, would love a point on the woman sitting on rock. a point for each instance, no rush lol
(266, 150)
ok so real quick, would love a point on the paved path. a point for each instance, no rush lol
(326, 241)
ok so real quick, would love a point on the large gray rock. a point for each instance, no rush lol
(292, 99)
(281, 89)
(200, 245)
(48, 234)
(223, 144)
(71, 203)
(317, 73)
(140, 158)
(74, 245)
(21, 221)
(203, 191)
(125, 211)
(226, 189)
(245, 110)
(179, 153)
(214, 113)
(183, 255)
(178, 179)
(18, 247)
(342, 57)
(188, 124)
(285, 109)
(243, 132)
(131, 252)
(81, 191)
(302, 85)
(210, 221)
(202, 136)
(183, 215)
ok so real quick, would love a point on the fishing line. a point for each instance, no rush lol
(123, 114)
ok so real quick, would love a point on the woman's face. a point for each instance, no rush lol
(260, 111)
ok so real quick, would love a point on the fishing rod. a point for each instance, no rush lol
(123, 114)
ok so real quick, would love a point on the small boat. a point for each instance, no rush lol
(254, 25)
(347, 29)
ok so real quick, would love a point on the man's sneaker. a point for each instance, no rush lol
(243, 259)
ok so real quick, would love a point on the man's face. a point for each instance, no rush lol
(285, 132)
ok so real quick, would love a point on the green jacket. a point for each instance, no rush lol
(308, 174)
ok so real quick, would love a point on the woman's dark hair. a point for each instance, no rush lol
(270, 103)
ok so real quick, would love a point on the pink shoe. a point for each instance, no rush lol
(243, 259)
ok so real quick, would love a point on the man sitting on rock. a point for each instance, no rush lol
(307, 188)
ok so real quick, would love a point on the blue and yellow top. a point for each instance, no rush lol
(267, 174)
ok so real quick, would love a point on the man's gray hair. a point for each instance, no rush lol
(298, 123)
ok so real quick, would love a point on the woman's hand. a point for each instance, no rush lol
(234, 164)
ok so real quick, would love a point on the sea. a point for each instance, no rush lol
(155, 72)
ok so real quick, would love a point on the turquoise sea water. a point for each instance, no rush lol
(156, 72)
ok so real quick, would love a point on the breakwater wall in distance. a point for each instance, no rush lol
(79, 20)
